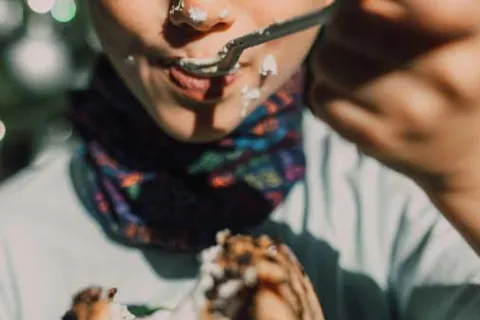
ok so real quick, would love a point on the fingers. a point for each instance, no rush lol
(350, 119)
(377, 28)
(270, 306)
(374, 36)
(453, 69)
(358, 93)
(359, 48)
(342, 68)
(445, 17)
(302, 284)
(368, 103)
(440, 17)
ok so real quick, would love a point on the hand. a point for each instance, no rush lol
(96, 303)
(254, 278)
(401, 79)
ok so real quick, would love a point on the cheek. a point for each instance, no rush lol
(295, 48)
(120, 24)
(135, 16)
(290, 53)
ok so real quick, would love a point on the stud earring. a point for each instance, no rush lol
(130, 60)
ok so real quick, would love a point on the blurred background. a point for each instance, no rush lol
(46, 48)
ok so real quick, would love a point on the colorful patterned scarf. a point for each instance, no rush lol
(151, 189)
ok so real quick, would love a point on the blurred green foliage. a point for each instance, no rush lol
(29, 115)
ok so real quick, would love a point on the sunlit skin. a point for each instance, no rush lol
(146, 30)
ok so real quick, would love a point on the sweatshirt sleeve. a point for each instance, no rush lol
(8, 297)
(435, 274)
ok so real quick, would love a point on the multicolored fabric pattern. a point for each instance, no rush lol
(151, 189)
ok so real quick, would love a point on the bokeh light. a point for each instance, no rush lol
(64, 10)
(3, 130)
(40, 64)
(46, 49)
(11, 16)
(41, 6)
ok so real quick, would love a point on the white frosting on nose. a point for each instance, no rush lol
(197, 15)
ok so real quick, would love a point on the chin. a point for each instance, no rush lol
(199, 136)
(197, 125)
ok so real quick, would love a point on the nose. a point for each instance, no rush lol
(202, 15)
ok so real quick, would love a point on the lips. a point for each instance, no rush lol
(198, 88)
(189, 82)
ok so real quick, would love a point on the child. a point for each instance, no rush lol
(168, 159)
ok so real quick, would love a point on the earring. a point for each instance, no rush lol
(130, 60)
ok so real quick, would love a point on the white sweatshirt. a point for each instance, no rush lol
(369, 239)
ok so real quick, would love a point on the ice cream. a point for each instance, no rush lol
(269, 66)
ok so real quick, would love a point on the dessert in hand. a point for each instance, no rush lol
(95, 303)
(254, 278)
(240, 278)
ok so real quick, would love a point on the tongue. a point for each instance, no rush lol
(188, 81)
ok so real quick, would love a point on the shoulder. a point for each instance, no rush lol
(40, 184)
(28, 201)
(45, 229)
(41, 198)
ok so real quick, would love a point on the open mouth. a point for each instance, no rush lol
(196, 88)
(204, 63)
(204, 66)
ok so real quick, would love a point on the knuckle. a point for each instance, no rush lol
(452, 17)
(387, 9)
(454, 74)
(374, 139)
(419, 121)
(420, 110)
(416, 117)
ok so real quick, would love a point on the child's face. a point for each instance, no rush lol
(196, 110)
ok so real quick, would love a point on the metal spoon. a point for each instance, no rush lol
(226, 60)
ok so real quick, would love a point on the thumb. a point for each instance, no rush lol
(441, 17)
